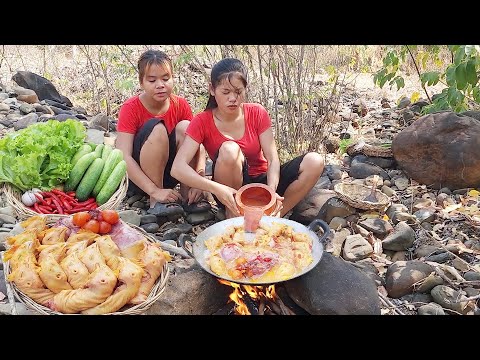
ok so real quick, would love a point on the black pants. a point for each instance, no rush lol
(141, 136)
(289, 172)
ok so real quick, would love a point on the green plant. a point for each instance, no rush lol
(343, 144)
(460, 77)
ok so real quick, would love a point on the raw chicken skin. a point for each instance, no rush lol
(109, 250)
(76, 271)
(37, 223)
(27, 280)
(53, 235)
(82, 235)
(130, 277)
(91, 257)
(53, 275)
(58, 251)
(19, 239)
(133, 251)
(98, 288)
(153, 260)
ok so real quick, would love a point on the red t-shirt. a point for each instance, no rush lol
(133, 114)
(203, 130)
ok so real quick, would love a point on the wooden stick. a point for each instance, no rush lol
(275, 308)
(174, 249)
(261, 307)
(285, 309)
(389, 304)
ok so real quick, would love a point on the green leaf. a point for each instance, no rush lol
(471, 73)
(459, 55)
(431, 78)
(476, 94)
(461, 76)
(450, 75)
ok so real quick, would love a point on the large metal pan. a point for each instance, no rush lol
(198, 245)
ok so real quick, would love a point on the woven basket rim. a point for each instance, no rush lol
(361, 204)
(14, 200)
(153, 296)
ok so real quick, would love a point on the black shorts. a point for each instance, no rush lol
(289, 172)
(141, 136)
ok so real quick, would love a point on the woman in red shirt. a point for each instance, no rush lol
(239, 139)
(151, 127)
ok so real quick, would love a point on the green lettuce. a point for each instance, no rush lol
(39, 155)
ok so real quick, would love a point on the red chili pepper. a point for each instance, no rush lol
(46, 194)
(70, 193)
(45, 208)
(60, 193)
(37, 209)
(57, 203)
(48, 201)
(75, 210)
(66, 204)
(92, 206)
(86, 202)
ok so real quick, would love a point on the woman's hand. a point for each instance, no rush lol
(226, 195)
(278, 206)
(195, 195)
(164, 196)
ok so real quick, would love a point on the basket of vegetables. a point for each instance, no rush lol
(89, 263)
(48, 168)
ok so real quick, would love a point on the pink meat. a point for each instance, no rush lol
(230, 252)
(123, 235)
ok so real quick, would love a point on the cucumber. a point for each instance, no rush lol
(89, 180)
(107, 149)
(98, 150)
(78, 170)
(112, 183)
(84, 149)
(113, 159)
(92, 145)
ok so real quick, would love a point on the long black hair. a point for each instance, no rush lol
(226, 69)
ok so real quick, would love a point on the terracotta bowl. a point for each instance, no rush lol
(256, 195)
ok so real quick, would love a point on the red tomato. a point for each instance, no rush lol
(81, 218)
(110, 216)
(105, 227)
(92, 225)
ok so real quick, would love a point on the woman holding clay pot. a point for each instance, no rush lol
(239, 139)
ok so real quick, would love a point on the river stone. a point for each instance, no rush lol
(335, 287)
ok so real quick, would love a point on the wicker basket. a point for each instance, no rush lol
(353, 195)
(157, 290)
(14, 200)
(360, 147)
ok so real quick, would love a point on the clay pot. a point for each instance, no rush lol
(257, 195)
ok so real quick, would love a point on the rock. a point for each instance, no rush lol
(194, 292)
(199, 218)
(402, 238)
(25, 121)
(356, 248)
(334, 287)
(379, 227)
(42, 87)
(440, 150)
(150, 228)
(401, 276)
(450, 299)
(130, 216)
(334, 207)
(431, 309)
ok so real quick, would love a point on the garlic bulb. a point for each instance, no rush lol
(28, 198)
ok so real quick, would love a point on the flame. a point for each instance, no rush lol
(254, 292)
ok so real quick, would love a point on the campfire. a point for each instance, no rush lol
(255, 300)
